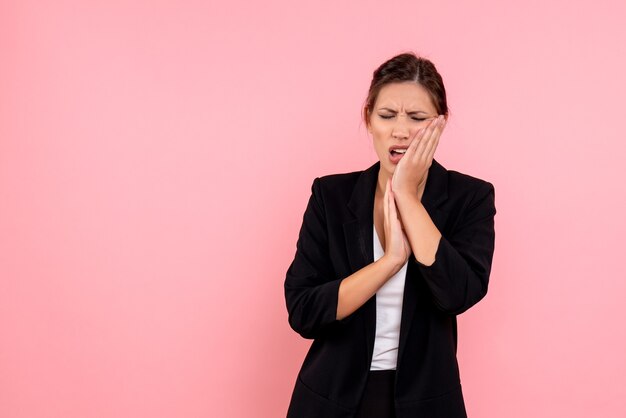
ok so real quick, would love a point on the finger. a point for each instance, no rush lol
(392, 206)
(389, 232)
(433, 147)
(393, 215)
(389, 204)
(428, 145)
(417, 138)
(430, 131)
(432, 144)
(385, 215)
(424, 138)
(431, 150)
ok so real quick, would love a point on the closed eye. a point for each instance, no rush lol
(391, 116)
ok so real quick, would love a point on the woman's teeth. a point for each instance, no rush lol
(398, 151)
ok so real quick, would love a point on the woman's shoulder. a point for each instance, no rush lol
(336, 186)
(348, 178)
(340, 178)
(458, 187)
(457, 179)
(339, 188)
(466, 189)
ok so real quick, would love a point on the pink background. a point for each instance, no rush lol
(156, 158)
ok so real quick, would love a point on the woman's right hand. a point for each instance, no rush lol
(397, 246)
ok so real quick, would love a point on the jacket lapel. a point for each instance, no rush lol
(359, 231)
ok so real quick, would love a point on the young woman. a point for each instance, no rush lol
(386, 259)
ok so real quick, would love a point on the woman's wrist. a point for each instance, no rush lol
(394, 264)
(402, 197)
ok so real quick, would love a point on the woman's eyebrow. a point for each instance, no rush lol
(408, 113)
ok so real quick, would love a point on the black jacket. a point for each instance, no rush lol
(336, 239)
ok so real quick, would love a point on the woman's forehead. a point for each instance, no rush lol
(408, 96)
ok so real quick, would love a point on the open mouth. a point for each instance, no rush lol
(395, 152)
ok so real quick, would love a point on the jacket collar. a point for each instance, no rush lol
(358, 234)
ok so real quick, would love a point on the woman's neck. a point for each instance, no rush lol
(382, 182)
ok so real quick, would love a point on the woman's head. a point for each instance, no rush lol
(405, 68)
(405, 94)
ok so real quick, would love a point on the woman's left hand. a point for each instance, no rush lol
(411, 171)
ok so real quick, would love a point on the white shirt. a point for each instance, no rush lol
(388, 314)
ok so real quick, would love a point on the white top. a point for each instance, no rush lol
(388, 315)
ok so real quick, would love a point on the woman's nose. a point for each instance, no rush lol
(401, 129)
(400, 132)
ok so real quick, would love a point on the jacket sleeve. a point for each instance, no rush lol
(459, 276)
(311, 288)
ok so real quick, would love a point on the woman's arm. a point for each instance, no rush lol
(359, 287)
(457, 267)
(423, 235)
(311, 301)
(315, 298)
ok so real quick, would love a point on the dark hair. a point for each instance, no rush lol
(407, 67)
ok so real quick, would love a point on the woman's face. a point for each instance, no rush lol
(401, 109)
